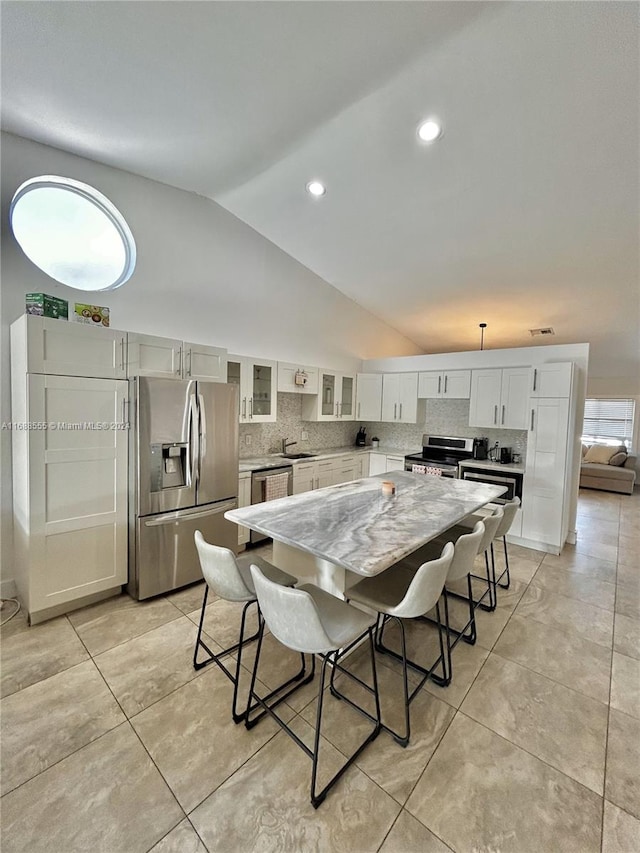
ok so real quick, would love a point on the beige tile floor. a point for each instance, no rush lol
(112, 742)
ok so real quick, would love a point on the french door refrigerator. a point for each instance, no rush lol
(184, 477)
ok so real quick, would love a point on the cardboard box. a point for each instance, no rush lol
(47, 306)
(93, 315)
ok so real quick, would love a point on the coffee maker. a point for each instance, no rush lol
(480, 448)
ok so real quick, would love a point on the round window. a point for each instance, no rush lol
(73, 233)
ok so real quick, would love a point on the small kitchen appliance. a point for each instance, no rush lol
(361, 437)
(505, 455)
(480, 448)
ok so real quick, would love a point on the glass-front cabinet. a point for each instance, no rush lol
(335, 399)
(256, 380)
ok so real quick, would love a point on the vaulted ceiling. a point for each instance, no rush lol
(525, 213)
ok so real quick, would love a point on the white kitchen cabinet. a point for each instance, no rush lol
(244, 499)
(168, 358)
(369, 396)
(400, 398)
(297, 378)
(545, 492)
(256, 380)
(305, 475)
(377, 463)
(449, 384)
(395, 463)
(327, 472)
(335, 399)
(552, 380)
(69, 490)
(204, 362)
(499, 398)
(60, 348)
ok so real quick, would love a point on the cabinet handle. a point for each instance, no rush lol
(244, 407)
(250, 407)
(179, 367)
(122, 357)
(535, 379)
(395, 407)
(502, 415)
(445, 384)
(125, 404)
(400, 416)
(358, 411)
(495, 414)
(532, 411)
(439, 383)
(189, 362)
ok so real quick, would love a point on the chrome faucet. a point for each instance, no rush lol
(286, 444)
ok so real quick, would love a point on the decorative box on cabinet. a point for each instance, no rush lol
(400, 398)
(499, 398)
(369, 396)
(450, 384)
(334, 400)
(287, 374)
(256, 379)
(59, 348)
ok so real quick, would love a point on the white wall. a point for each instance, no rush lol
(202, 275)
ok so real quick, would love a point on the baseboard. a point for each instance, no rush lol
(572, 537)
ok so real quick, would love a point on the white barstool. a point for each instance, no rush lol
(311, 621)
(400, 593)
(229, 577)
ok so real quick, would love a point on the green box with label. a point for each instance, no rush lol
(47, 306)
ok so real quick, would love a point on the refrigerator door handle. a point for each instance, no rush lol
(194, 429)
(203, 426)
(183, 514)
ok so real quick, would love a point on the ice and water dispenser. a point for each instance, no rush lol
(169, 467)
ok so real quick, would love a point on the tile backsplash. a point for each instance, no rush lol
(443, 417)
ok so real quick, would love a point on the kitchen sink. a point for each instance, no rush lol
(297, 455)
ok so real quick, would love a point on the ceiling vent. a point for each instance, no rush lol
(547, 331)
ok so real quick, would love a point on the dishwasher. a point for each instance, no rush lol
(259, 490)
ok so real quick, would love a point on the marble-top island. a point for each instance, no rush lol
(336, 535)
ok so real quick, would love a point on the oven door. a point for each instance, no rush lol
(511, 483)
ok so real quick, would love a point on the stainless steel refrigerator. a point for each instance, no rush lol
(184, 477)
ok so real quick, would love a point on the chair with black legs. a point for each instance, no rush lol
(314, 622)
(400, 593)
(465, 552)
(229, 577)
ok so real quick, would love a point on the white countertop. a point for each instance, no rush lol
(487, 465)
(355, 526)
(274, 460)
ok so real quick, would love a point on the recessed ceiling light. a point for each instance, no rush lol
(316, 188)
(429, 130)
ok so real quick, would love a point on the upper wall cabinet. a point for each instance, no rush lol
(167, 358)
(297, 378)
(71, 349)
(452, 384)
(552, 380)
(500, 398)
(369, 397)
(257, 381)
(400, 398)
(335, 399)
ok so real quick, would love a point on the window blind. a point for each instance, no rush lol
(609, 420)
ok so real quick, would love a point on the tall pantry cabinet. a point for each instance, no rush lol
(69, 455)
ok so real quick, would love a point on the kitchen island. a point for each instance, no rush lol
(335, 536)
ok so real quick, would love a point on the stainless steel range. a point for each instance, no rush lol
(443, 452)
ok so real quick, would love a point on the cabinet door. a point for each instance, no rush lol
(552, 380)
(244, 499)
(150, 355)
(261, 387)
(78, 489)
(328, 403)
(287, 378)
(485, 398)
(514, 407)
(304, 477)
(204, 362)
(377, 464)
(395, 463)
(390, 394)
(456, 384)
(346, 473)
(369, 396)
(430, 384)
(408, 398)
(325, 474)
(347, 397)
(235, 377)
(72, 349)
